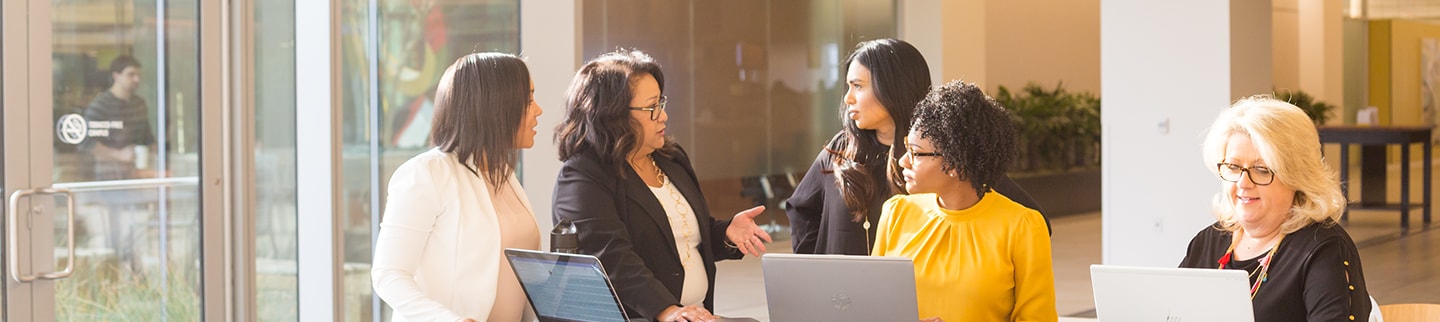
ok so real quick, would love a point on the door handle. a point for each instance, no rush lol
(14, 239)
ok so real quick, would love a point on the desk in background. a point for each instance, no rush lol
(1373, 140)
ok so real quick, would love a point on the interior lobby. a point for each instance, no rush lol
(266, 132)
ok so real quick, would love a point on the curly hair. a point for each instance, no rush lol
(972, 133)
(597, 117)
(1289, 143)
(900, 77)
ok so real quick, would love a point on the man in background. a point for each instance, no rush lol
(125, 153)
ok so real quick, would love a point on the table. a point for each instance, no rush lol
(1373, 140)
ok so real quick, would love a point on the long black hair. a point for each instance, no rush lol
(479, 104)
(597, 117)
(900, 78)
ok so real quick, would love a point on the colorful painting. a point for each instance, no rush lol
(1430, 83)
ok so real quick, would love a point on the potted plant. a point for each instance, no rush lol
(1059, 154)
(1318, 111)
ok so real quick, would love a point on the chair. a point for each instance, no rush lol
(1410, 312)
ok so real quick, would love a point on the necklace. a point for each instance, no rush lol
(1264, 269)
(682, 214)
(659, 175)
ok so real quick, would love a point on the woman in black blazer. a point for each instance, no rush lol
(632, 194)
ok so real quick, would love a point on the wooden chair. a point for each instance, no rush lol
(1410, 312)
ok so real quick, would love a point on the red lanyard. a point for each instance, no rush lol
(1264, 263)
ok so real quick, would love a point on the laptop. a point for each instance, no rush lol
(569, 287)
(1124, 293)
(800, 287)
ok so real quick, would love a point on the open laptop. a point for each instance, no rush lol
(1124, 293)
(569, 287)
(839, 288)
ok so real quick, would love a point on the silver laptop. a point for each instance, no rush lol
(569, 287)
(839, 288)
(1125, 293)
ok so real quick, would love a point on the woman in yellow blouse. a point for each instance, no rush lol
(979, 256)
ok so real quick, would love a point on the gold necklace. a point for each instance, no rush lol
(659, 175)
(682, 213)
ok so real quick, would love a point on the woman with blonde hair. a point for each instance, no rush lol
(1276, 216)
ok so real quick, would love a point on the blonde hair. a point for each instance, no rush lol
(1290, 146)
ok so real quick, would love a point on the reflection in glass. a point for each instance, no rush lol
(272, 67)
(386, 117)
(126, 144)
(754, 85)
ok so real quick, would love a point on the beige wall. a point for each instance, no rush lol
(1396, 90)
(1308, 38)
(1043, 41)
(1285, 21)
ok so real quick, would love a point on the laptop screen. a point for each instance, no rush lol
(1124, 293)
(565, 287)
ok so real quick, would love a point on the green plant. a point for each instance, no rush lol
(1318, 111)
(1059, 130)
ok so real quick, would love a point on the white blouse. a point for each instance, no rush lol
(438, 256)
(687, 242)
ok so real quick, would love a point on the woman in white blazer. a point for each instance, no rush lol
(454, 209)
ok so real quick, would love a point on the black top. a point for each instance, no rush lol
(1314, 276)
(619, 221)
(130, 120)
(820, 223)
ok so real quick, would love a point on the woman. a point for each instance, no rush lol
(978, 255)
(632, 194)
(454, 209)
(1276, 216)
(837, 203)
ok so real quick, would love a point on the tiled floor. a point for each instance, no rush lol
(1399, 267)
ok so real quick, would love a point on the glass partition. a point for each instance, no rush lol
(387, 85)
(125, 92)
(754, 85)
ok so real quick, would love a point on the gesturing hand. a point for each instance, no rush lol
(745, 234)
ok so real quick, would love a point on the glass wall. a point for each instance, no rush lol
(125, 90)
(386, 89)
(755, 86)
(270, 58)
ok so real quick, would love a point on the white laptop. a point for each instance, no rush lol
(839, 288)
(1124, 293)
(569, 287)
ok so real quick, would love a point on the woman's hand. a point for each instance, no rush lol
(686, 313)
(934, 319)
(745, 234)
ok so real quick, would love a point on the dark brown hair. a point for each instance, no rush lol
(119, 64)
(899, 78)
(479, 105)
(974, 135)
(597, 116)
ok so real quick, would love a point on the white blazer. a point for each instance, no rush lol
(438, 254)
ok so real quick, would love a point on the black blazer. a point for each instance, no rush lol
(621, 222)
(1315, 276)
(820, 222)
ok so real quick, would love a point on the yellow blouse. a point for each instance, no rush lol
(990, 262)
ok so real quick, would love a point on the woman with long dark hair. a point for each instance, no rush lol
(837, 204)
(453, 210)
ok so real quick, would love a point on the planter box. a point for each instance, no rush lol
(1065, 193)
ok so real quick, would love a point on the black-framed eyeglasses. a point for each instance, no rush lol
(655, 109)
(910, 154)
(1259, 175)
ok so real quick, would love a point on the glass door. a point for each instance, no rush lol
(102, 163)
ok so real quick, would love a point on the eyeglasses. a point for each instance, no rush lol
(910, 154)
(1259, 175)
(654, 109)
